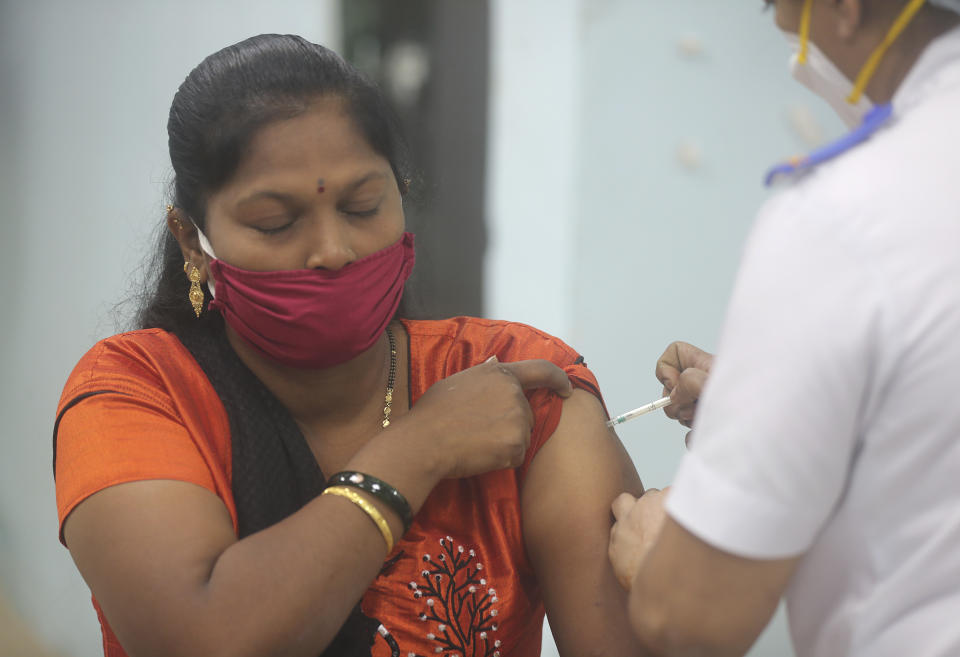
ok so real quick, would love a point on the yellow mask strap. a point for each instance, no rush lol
(871, 66)
(805, 31)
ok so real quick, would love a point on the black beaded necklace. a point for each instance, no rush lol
(391, 379)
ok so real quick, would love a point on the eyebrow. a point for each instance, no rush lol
(278, 196)
(290, 198)
(373, 175)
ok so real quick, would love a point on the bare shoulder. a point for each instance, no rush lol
(583, 448)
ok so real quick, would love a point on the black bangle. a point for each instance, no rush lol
(379, 489)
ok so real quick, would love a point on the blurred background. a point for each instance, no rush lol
(589, 167)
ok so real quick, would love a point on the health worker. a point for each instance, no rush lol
(824, 465)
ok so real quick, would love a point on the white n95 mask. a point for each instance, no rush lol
(822, 77)
(950, 5)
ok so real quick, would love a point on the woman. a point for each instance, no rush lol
(273, 465)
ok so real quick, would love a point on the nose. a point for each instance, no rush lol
(329, 247)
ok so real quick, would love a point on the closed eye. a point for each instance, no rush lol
(361, 208)
(272, 231)
(362, 213)
(272, 227)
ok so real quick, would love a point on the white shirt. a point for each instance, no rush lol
(830, 425)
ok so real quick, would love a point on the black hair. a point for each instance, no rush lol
(216, 112)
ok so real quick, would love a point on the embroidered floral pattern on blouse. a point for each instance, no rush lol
(458, 604)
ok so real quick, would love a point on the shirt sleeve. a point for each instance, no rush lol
(777, 426)
(117, 424)
(548, 406)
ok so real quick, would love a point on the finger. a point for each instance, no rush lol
(622, 505)
(529, 419)
(668, 367)
(540, 374)
(672, 411)
(690, 356)
(684, 398)
(689, 387)
(684, 413)
(678, 357)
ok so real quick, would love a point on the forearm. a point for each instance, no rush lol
(660, 634)
(288, 589)
(689, 598)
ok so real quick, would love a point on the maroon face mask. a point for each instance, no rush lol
(314, 318)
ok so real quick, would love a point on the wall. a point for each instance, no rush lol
(624, 171)
(629, 142)
(85, 92)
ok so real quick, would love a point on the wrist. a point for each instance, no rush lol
(379, 489)
(403, 461)
(419, 443)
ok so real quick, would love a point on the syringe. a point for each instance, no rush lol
(637, 412)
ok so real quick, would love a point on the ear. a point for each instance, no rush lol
(185, 233)
(849, 18)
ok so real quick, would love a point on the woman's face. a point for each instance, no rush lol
(309, 193)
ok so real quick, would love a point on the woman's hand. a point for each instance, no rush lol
(683, 370)
(639, 521)
(479, 419)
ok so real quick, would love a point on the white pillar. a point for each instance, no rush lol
(532, 155)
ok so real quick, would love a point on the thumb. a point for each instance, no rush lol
(667, 375)
(622, 505)
(689, 387)
(540, 374)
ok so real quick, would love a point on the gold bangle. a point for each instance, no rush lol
(369, 509)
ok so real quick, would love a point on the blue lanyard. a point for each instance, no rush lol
(873, 121)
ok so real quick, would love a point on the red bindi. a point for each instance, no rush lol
(320, 187)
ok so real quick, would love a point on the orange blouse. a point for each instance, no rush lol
(458, 583)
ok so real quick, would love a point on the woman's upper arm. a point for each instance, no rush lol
(137, 507)
(146, 549)
(566, 500)
(138, 512)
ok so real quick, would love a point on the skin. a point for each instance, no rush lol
(566, 524)
(161, 557)
(686, 597)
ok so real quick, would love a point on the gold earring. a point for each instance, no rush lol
(176, 220)
(196, 292)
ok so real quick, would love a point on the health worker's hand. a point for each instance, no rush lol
(479, 419)
(683, 370)
(638, 523)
